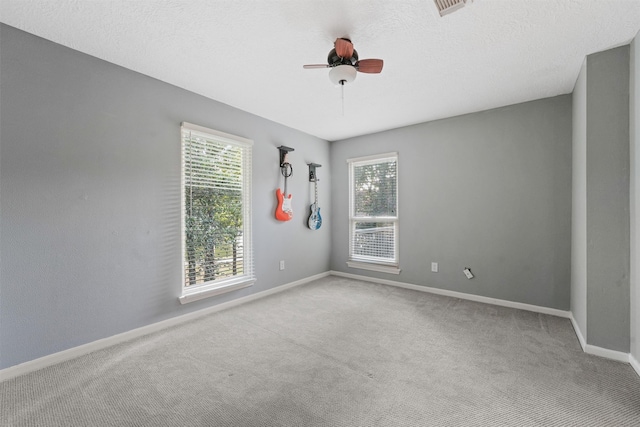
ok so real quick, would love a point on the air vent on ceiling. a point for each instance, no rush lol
(448, 6)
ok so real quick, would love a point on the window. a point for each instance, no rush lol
(216, 213)
(373, 213)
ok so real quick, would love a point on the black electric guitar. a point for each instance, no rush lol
(315, 220)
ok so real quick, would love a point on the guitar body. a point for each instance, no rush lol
(284, 212)
(315, 220)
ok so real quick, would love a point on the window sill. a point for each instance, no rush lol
(209, 291)
(390, 269)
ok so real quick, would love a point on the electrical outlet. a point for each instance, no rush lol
(282, 265)
(434, 267)
(467, 272)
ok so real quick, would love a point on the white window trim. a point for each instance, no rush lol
(210, 289)
(361, 262)
(381, 268)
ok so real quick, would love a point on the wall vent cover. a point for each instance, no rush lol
(448, 6)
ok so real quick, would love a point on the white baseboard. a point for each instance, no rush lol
(634, 364)
(595, 350)
(72, 353)
(606, 353)
(576, 328)
(461, 295)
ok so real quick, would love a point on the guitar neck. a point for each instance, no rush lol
(285, 187)
(316, 190)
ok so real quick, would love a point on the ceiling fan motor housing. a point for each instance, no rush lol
(334, 60)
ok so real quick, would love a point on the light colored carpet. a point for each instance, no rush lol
(338, 352)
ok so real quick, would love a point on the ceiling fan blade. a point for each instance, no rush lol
(371, 66)
(344, 48)
(311, 66)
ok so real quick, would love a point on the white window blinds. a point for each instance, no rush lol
(216, 176)
(373, 233)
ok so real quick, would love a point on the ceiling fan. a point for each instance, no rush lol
(344, 63)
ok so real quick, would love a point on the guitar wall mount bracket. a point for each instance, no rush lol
(283, 153)
(312, 172)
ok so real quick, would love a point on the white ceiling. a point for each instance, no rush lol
(249, 54)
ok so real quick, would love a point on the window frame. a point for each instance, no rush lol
(364, 262)
(218, 286)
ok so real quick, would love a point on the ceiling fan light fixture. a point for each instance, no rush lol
(342, 74)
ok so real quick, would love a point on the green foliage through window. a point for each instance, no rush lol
(374, 210)
(214, 209)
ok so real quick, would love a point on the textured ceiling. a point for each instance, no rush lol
(249, 54)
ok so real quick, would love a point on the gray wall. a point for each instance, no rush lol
(490, 191)
(579, 203)
(608, 199)
(601, 219)
(90, 214)
(634, 128)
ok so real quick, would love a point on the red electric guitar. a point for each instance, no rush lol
(284, 212)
